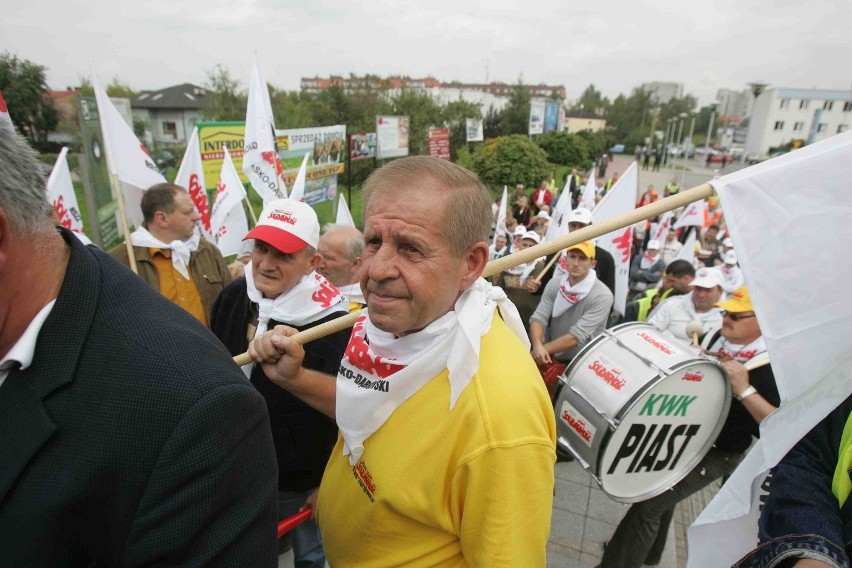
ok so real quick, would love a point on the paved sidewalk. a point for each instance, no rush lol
(584, 518)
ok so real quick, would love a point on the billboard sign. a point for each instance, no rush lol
(439, 143)
(362, 146)
(392, 134)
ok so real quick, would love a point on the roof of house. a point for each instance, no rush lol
(583, 113)
(185, 96)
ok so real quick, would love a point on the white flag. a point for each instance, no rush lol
(789, 220)
(659, 231)
(620, 199)
(191, 176)
(500, 225)
(559, 215)
(228, 219)
(692, 216)
(5, 119)
(261, 163)
(687, 251)
(298, 193)
(60, 193)
(344, 216)
(126, 156)
(587, 198)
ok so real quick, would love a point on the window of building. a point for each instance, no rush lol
(798, 127)
(827, 105)
(170, 129)
(822, 126)
(841, 128)
(847, 106)
(803, 104)
(785, 104)
(779, 125)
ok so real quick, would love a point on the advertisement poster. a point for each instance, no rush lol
(536, 117)
(474, 130)
(439, 143)
(551, 116)
(325, 144)
(392, 134)
(362, 146)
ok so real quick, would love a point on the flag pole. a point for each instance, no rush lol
(643, 213)
(251, 210)
(115, 182)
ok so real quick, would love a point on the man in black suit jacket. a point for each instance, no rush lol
(128, 436)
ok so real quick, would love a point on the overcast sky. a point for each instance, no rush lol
(615, 45)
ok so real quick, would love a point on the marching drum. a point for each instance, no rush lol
(639, 410)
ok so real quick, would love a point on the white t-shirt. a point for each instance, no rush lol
(674, 314)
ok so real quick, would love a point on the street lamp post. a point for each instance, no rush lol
(678, 140)
(666, 140)
(685, 150)
(710, 129)
(756, 90)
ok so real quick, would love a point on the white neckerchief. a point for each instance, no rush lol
(742, 353)
(648, 261)
(494, 253)
(353, 293)
(523, 270)
(539, 199)
(181, 250)
(379, 372)
(311, 299)
(569, 296)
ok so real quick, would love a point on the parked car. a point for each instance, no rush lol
(164, 159)
(717, 157)
(617, 149)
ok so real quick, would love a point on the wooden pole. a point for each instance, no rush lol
(251, 210)
(497, 265)
(119, 198)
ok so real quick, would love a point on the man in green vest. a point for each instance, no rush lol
(671, 188)
(677, 280)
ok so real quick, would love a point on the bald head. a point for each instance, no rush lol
(340, 248)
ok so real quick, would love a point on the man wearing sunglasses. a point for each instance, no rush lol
(641, 535)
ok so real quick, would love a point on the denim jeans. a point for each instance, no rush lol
(640, 527)
(305, 538)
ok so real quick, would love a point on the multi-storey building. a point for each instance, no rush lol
(781, 115)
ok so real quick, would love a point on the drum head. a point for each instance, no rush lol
(665, 432)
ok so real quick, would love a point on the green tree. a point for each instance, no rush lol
(516, 113)
(510, 160)
(492, 124)
(25, 90)
(592, 100)
(564, 149)
(422, 112)
(118, 89)
(455, 115)
(225, 99)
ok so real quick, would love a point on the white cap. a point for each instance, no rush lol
(730, 257)
(287, 225)
(580, 215)
(544, 215)
(728, 242)
(519, 230)
(707, 278)
(533, 236)
(653, 244)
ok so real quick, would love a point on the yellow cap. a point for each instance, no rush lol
(586, 247)
(739, 301)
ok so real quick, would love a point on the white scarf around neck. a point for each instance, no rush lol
(181, 250)
(311, 299)
(353, 293)
(648, 261)
(379, 371)
(569, 295)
